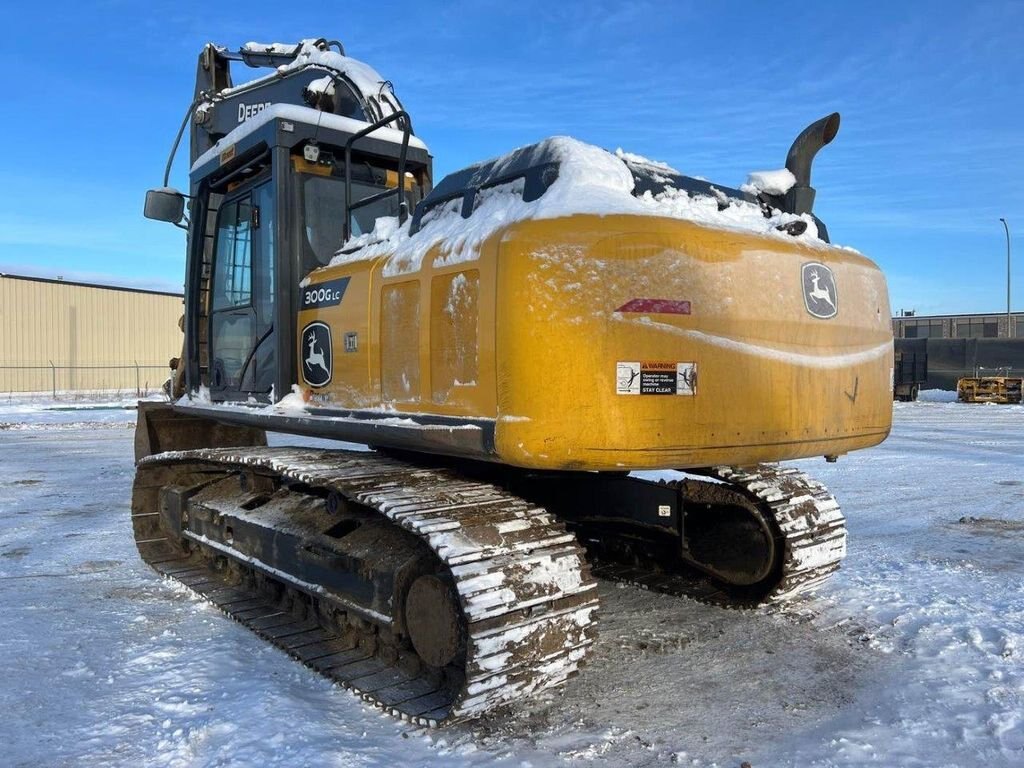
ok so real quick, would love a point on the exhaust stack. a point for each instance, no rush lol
(800, 199)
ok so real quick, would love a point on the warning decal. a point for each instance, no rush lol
(655, 377)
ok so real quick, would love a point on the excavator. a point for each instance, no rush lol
(554, 367)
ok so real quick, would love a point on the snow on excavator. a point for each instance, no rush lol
(512, 343)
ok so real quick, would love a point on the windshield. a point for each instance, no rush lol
(323, 203)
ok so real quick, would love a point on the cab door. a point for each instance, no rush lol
(242, 340)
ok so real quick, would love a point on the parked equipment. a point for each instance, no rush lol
(989, 389)
(910, 371)
(512, 342)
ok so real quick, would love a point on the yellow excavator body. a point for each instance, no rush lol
(513, 341)
(621, 342)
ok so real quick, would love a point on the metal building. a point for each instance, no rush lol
(989, 325)
(61, 336)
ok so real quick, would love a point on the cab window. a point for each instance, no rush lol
(232, 285)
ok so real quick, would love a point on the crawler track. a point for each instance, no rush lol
(525, 592)
(524, 589)
(811, 530)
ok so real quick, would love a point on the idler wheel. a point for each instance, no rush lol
(434, 620)
(727, 535)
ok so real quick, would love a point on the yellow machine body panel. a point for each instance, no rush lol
(624, 342)
(424, 341)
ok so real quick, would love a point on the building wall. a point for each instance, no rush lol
(68, 336)
(951, 359)
(982, 326)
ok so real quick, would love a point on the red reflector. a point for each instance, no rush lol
(663, 306)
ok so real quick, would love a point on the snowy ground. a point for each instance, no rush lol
(912, 655)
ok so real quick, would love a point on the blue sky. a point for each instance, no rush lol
(930, 155)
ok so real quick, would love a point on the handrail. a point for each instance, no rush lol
(403, 212)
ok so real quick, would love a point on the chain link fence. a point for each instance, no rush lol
(63, 380)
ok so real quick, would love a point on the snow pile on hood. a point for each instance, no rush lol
(384, 228)
(629, 157)
(777, 182)
(590, 181)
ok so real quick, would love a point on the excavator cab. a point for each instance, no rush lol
(285, 169)
(261, 223)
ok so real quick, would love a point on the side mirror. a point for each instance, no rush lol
(165, 204)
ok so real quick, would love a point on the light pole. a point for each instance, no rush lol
(1009, 326)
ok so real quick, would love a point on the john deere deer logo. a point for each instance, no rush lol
(316, 354)
(820, 297)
